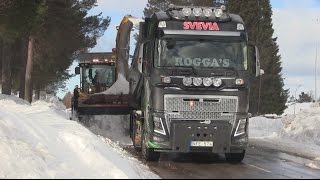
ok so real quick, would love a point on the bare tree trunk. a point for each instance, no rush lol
(37, 92)
(29, 67)
(23, 60)
(1, 59)
(6, 69)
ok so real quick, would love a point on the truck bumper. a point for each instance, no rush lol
(218, 133)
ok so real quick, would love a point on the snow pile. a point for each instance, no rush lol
(296, 108)
(294, 133)
(303, 127)
(115, 127)
(36, 142)
(121, 86)
(13, 100)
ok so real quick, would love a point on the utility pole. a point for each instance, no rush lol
(295, 99)
(315, 76)
(315, 67)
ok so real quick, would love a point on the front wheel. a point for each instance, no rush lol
(147, 153)
(235, 157)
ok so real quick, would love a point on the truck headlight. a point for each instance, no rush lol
(187, 81)
(186, 11)
(218, 12)
(207, 12)
(239, 82)
(166, 79)
(197, 81)
(207, 82)
(241, 127)
(197, 12)
(217, 82)
(158, 126)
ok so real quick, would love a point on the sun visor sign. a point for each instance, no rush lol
(201, 26)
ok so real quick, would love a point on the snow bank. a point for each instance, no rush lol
(13, 100)
(114, 127)
(36, 142)
(294, 133)
(121, 86)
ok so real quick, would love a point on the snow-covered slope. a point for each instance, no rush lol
(37, 141)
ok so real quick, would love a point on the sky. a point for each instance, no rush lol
(296, 23)
(38, 142)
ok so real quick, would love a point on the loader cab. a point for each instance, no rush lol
(97, 78)
(97, 72)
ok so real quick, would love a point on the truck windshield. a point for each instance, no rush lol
(199, 53)
(99, 76)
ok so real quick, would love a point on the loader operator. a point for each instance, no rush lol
(96, 81)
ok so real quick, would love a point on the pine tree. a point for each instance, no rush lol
(257, 16)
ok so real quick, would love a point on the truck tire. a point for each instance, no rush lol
(147, 153)
(133, 132)
(235, 157)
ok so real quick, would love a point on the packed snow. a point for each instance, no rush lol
(38, 141)
(297, 132)
(121, 86)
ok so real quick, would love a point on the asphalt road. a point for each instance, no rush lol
(259, 163)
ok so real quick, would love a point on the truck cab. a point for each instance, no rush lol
(190, 80)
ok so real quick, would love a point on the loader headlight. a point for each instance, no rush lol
(241, 127)
(158, 126)
(90, 90)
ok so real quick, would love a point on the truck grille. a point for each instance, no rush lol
(197, 107)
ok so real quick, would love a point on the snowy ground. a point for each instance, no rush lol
(298, 133)
(37, 141)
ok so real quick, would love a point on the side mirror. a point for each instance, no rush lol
(258, 70)
(77, 70)
(146, 28)
(254, 60)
